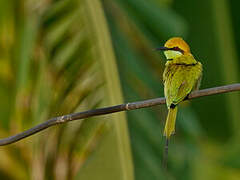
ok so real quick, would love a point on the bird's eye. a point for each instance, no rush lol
(177, 49)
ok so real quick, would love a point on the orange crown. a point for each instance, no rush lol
(177, 42)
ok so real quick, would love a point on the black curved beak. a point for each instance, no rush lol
(162, 49)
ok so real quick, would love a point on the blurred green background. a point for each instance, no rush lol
(63, 56)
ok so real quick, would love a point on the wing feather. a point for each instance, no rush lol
(179, 81)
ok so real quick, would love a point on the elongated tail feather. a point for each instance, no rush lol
(170, 122)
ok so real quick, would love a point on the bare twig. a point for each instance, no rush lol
(112, 109)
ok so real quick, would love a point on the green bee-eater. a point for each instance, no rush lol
(182, 75)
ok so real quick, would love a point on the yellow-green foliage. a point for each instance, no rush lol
(56, 58)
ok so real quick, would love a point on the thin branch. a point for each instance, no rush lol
(112, 109)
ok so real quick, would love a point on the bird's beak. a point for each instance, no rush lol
(162, 49)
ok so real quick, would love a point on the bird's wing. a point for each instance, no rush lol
(198, 82)
(179, 81)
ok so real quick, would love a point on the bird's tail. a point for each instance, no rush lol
(170, 122)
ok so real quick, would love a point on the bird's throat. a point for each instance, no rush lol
(170, 54)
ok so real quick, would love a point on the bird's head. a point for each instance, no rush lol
(174, 48)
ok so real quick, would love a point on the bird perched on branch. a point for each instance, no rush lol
(182, 75)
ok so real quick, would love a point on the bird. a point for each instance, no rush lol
(181, 76)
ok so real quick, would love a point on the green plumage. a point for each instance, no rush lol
(181, 76)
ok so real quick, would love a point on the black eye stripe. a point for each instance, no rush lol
(177, 49)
